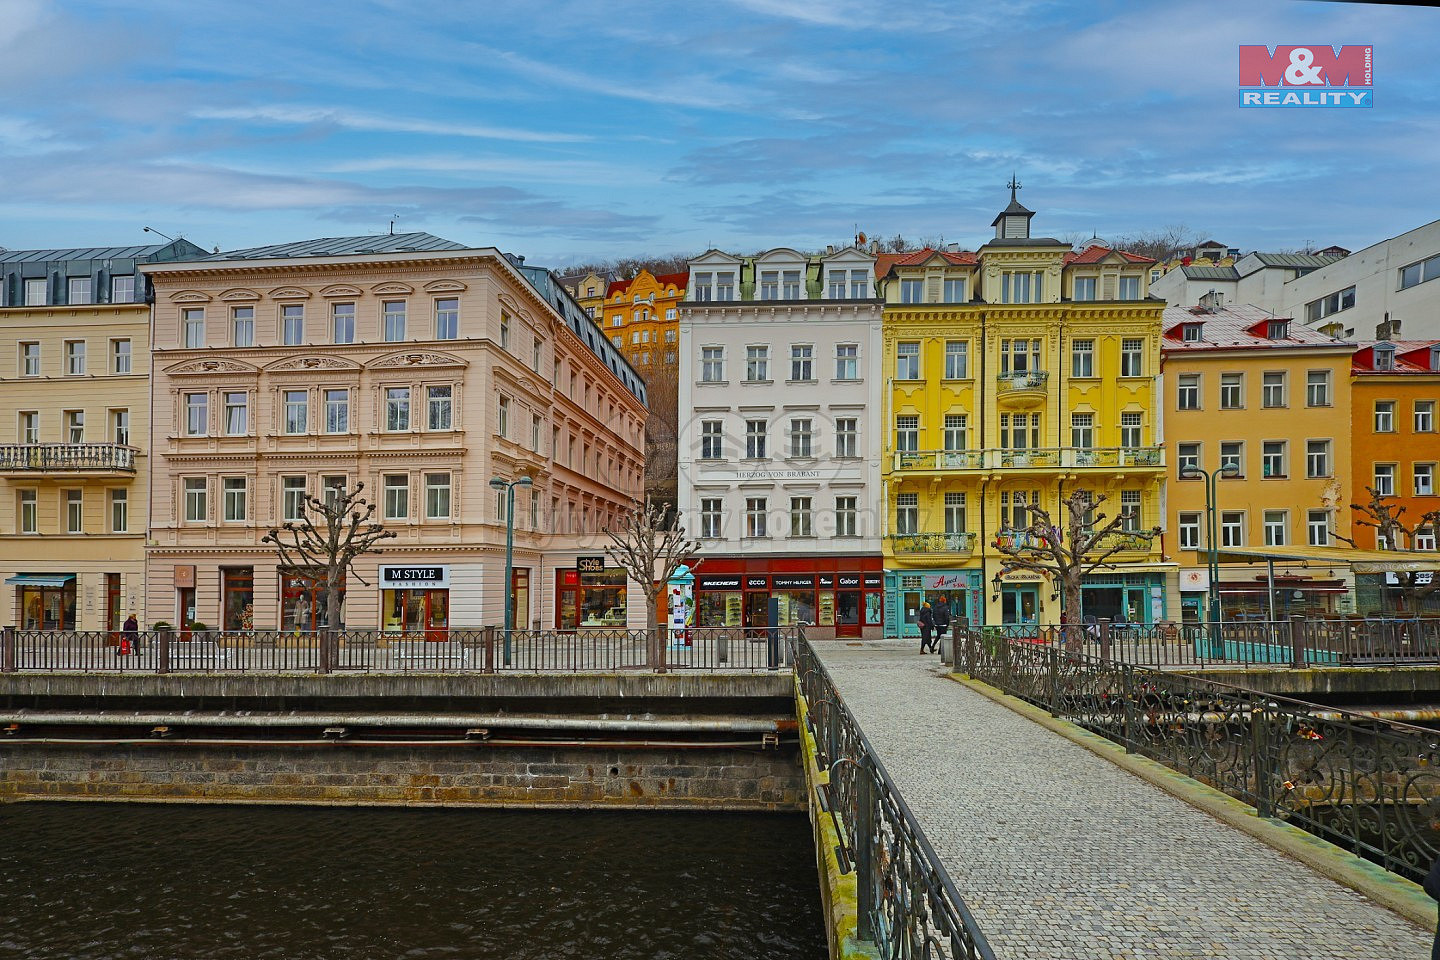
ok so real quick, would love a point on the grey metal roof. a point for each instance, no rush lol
(590, 333)
(1211, 273)
(83, 253)
(1296, 260)
(342, 246)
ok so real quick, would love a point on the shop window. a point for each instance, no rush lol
(591, 599)
(48, 607)
(304, 602)
(238, 598)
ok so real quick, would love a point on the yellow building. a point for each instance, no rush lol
(1269, 398)
(1016, 375)
(73, 478)
(642, 318)
(588, 291)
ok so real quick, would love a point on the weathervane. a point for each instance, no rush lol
(1013, 185)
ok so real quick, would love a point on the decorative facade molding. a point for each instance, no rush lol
(390, 287)
(417, 359)
(342, 290)
(240, 294)
(312, 363)
(445, 286)
(289, 293)
(209, 366)
(190, 296)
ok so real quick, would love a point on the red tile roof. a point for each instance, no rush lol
(1236, 327)
(665, 279)
(1096, 253)
(1411, 356)
(910, 258)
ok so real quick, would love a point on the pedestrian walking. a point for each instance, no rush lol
(1432, 887)
(130, 636)
(926, 619)
(942, 620)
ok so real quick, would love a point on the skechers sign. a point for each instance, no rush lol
(1313, 76)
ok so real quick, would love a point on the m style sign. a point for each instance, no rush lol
(406, 577)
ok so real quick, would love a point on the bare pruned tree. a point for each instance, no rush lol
(1385, 515)
(1164, 244)
(662, 433)
(332, 531)
(651, 549)
(626, 267)
(1083, 542)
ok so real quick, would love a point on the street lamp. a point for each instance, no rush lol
(499, 483)
(1193, 472)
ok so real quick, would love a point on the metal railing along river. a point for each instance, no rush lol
(486, 650)
(1297, 642)
(907, 904)
(1371, 786)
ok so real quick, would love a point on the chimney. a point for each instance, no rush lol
(1387, 329)
(829, 249)
(1213, 301)
(952, 248)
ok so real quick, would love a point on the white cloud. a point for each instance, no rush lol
(355, 120)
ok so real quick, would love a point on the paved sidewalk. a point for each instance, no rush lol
(1064, 856)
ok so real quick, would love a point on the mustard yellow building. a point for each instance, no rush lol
(642, 318)
(1269, 399)
(1016, 375)
(73, 476)
(587, 290)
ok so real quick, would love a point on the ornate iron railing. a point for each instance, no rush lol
(1368, 785)
(932, 542)
(908, 906)
(717, 649)
(1031, 380)
(67, 456)
(1040, 457)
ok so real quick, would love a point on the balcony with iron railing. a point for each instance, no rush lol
(1023, 388)
(1128, 541)
(1032, 458)
(946, 543)
(101, 459)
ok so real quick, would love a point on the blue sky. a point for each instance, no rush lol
(566, 131)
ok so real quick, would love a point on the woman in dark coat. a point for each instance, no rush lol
(926, 619)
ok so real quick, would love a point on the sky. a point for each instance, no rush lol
(574, 131)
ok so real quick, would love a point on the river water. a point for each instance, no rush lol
(102, 881)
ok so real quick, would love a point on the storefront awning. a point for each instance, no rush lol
(1359, 561)
(41, 579)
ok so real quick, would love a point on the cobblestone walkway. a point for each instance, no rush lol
(1064, 856)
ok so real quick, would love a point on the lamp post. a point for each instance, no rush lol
(499, 483)
(1194, 472)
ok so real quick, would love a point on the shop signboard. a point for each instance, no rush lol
(848, 581)
(757, 583)
(946, 581)
(788, 581)
(407, 577)
(718, 582)
(590, 564)
(873, 581)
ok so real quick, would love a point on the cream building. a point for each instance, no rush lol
(413, 364)
(74, 389)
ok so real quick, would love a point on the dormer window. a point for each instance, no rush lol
(1385, 358)
(701, 287)
(725, 285)
(1277, 329)
(1192, 332)
(1435, 359)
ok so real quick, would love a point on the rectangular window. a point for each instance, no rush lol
(75, 358)
(790, 284)
(712, 364)
(1384, 416)
(954, 290)
(1272, 389)
(1232, 529)
(337, 411)
(536, 428)
(29, 514)
(1015, 508)
(1424, 416)
(802, 362)
(845, 516)
(1019, 356)
(1189, 524)
(1187, 457)
(907, 434)
(397, 408)
(234, 495)
(196, 508)
(1232, 456)
(29, 426)
(35, 292)
(1082, 358)
(297, 408)
(1317, 458)
(701, 290)
(242, 326)
(907, 360)
(397, 496)
(122, 289)
(1232, 391)
(292, 322)
(1272, 459)
(859, 284)
(1187, 391)
(1082, 430)
(437, 496)
(1317, 527)
(710, 518)
(755, 511)
(1084, 289)
(119, 511)
(1276, 522)
(912, 290)
(120, 356)
(1317, 388)
(1424, 479)
(438, 400)
(1317, 310)
(1132, 429)
(757, 364)
(392, 316)
(1019, 431)
(342, 323)
(292, 498)
(237, 409)
(847, 443)
(800, 517)
(1026, 287)
(711, 440)
(847, 361)
(1385, 479)
(80, 291)
(955, 521)
(754, 439)
(1132, 358)
(957, 359)
(955, 430)
(800, 434)
(769, 284)
(907, 513)
(1131, 510)
(74, 511)
(75, 426)
(835, 284)
(1129, 288)
(192, 322)
(197, 414)
(504, 422)
(447, 319)
(725, 285)
(29, 359)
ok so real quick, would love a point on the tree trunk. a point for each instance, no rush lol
(1074, 614)
(654, 638)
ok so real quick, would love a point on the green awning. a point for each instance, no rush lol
(41, 579)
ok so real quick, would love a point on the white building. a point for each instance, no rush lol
(779, 464)
(1258, 279)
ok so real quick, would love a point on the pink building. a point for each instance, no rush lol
(420, 367)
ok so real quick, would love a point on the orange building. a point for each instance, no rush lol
(642, 317)
(1395, 389)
